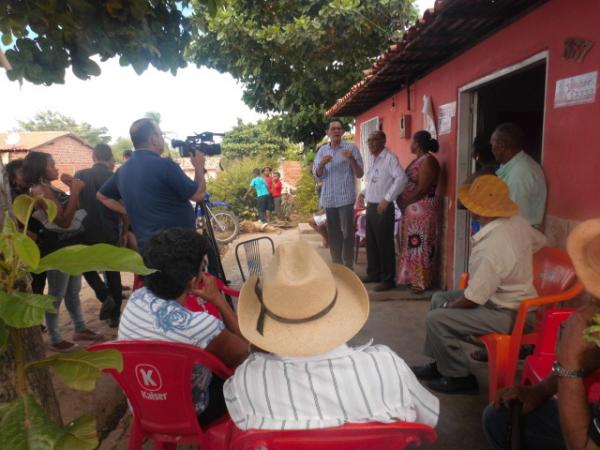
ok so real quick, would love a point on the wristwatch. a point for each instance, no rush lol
(560, 371)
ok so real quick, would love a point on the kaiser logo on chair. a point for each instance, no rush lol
(149, 379)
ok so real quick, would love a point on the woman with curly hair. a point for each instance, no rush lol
(157, 312)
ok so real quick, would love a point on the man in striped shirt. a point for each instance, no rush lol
(337, 165)
(303, 312)
(157, 312)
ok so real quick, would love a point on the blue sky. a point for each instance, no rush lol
(196, 100)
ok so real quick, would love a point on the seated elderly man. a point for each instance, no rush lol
(571, 422)
(500, 277)
(302, 313)
(157, 312)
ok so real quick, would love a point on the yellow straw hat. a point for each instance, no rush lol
(301, 306)
(488, 196)
(583, 246)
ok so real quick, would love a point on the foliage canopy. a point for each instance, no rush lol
(295, 58)
(256, 140)
(55, 121)
(48, 36)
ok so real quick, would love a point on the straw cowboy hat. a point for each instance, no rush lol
(301, 306)
(488, 196)
(583, 246)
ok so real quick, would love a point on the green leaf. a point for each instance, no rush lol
(23, 310)
(4, 407)
(23, 207)
(4, 333)
(7, 39)
(77, 259)
(51, 210)
(25, 426)
(81, 370)
(9, 227)
(27, 250)
(79, 435)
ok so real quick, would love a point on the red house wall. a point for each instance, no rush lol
(571, 157)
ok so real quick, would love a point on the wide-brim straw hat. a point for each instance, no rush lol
(301, 306)
(488, 196)
(583, 246)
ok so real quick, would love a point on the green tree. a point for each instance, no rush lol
(48, 36)
(55, 121)
(257, 140)
(154, 115)
(295, 58)
(121, 144)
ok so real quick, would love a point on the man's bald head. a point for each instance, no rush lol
(507, 140)
(145, 134)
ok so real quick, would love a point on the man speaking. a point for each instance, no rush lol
(155, 191)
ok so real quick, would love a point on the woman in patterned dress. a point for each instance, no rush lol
(419, 205)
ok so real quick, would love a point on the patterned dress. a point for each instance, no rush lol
(418, 238)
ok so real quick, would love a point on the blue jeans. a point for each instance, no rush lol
(262, 203)
(61, 285)
(540, 429)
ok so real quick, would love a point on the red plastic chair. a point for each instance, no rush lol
(555, 281)
(157, 380)
(380, 436)
(196, 304)
(539, 365)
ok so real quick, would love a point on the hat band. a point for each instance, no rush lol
(264, 311)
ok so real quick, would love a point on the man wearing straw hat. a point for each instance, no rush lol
(302, 313)
(500, 277)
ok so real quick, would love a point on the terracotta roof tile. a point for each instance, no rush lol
(29, 140)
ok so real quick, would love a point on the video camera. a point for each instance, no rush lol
(203, 142)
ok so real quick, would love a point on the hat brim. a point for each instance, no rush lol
(583, 246)
(508, 209)
(337, 327)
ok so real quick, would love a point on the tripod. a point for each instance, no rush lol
(214, 257)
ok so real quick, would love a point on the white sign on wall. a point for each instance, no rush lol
(447, 112)
(576, 90)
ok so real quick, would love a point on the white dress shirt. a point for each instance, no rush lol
(501, 262)
(385, 179)
(365, 384)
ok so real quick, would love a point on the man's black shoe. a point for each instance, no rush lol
(385, 286)
(108, 306)
(369, 279)
(427, 372)
(455, 385)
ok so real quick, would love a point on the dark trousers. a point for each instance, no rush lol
(262, 203)
(540, 429)
(340, 228)
(113, 287)
(38, 282)
(381, 254)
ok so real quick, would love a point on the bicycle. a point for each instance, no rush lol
(225, 224)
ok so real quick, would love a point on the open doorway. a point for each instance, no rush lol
(513, 94)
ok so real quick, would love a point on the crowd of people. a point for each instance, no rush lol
(294, 321)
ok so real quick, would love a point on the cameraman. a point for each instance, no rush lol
(155, 191)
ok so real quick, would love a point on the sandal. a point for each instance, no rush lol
(64, 347)
(88, 335)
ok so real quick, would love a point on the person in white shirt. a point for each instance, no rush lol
(302, 313)
(500, 278)
(385, 181)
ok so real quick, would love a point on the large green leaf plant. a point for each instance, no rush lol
(23, 423)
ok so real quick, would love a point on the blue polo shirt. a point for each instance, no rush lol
(156, 193)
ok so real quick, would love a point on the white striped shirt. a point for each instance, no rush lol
(148, 317)
(339, 182)
(365, 384)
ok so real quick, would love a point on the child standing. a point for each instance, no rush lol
(262, 194)
(276, 188)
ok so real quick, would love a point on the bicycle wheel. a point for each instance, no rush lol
(225, 225)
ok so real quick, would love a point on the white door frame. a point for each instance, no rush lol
(467, 126)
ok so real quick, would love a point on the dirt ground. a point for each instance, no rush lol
(396, 319)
